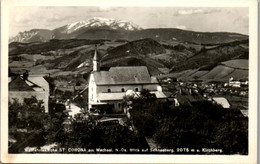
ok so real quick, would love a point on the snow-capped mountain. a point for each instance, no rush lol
(98, 22)
(77, 30)
(33, 35)
(22, 36)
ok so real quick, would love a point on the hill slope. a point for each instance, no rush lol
(238, 69)
(137, 53)
(206, 59)
(186, 60)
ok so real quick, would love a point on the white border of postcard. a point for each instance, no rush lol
(97, 158)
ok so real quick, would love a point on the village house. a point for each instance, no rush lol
(237, 83)
(188, 96)
(25, 87)
(108, 88)
(221, 101)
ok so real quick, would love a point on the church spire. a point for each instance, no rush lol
(96, 60)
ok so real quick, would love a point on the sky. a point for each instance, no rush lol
(207, 19)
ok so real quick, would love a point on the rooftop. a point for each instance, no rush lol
(222, 101)
(96, 56)
(18, 84)
(124, 75)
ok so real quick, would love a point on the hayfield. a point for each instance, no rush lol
(237, 63)
(21, 64)
(218, 73)
(239, 74)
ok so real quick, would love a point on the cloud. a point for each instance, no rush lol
(181, 27)
(108, 8)
(162, 25)
(194, 11)
(21, 21)
(57, 17)
(190, 12)
(28, 21)
(154, 15)
(243, 18)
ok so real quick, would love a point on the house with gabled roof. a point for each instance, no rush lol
(22, 88)
(108, 88)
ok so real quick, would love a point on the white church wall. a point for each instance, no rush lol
(92, 90)
(121, 88)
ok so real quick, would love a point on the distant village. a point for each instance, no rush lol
(231, 94)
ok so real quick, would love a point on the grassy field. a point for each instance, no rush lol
(21, 64)
(218, 73)
(239, 74)
(33, 57)
(238, 63)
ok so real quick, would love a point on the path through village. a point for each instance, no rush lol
(73, 109)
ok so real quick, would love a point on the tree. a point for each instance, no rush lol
(30, 113)
(117, 136)
(29, 117)
(142, 111)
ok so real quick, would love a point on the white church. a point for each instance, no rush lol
(107, 88)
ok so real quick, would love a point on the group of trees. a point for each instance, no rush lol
(26, 123)
(30, 126)
(87, 134)
(90, 134)
(204, 125)
(30, 114)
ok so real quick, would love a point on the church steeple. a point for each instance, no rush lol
(96, 61)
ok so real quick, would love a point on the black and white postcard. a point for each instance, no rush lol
(129, 81)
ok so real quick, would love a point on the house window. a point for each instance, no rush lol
(136, 89)
(119, 105)
(123, 89)
(108, 90)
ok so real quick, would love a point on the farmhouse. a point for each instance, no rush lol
(107, 88)
(22, 88)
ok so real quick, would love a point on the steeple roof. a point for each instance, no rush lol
(96, 56)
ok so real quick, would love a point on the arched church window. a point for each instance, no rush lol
(108, 90)
(123, 89)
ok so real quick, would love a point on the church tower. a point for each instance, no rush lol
(96, 61)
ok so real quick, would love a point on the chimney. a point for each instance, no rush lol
(190, 91)
(25, 75)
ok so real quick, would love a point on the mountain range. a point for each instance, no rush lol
(112, 29)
